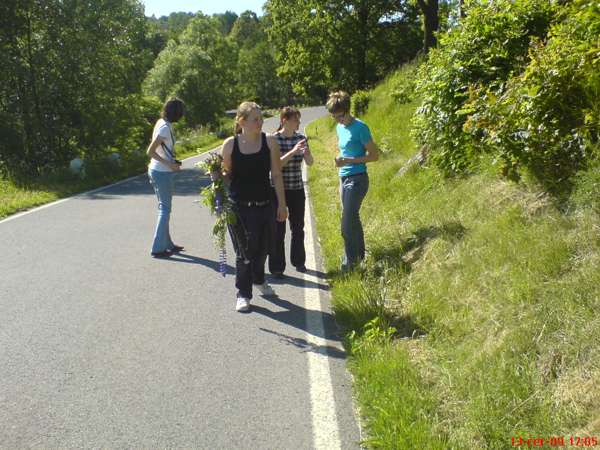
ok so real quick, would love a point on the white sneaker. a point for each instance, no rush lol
(242, 304)
(265, 289)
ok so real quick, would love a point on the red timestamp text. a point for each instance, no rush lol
(555, 441)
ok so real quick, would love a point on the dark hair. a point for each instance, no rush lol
(287, 113)
(173, 110)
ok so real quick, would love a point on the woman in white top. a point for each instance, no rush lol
(161, 169)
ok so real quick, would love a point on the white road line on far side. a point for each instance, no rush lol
(83, 194)
(326, 435)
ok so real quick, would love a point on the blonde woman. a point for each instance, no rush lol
(356, 149)
(248, 158)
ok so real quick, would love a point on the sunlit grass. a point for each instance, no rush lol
(19, 195)
(495, 295)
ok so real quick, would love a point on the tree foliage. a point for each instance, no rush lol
(256, 66)
(518, 81)
(247, 31)
(320, 45)
(488, 46)
(65, 66)
(548, 117)
(212, 71)
(200, 70)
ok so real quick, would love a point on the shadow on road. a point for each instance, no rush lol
(306, 346)
(191, 259)
(296, 316)
(298, 282)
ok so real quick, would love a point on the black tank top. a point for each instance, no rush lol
(250, 173)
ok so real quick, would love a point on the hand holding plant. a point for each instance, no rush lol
(215, 197)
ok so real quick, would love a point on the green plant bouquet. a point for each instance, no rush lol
(215, 197)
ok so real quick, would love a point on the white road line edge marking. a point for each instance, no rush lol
(325, 426)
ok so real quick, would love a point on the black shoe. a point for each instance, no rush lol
(278, 275)
(165, 254)
(301, 268)
(177, 248)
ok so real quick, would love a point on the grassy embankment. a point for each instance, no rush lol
(493, 292)
(20, 195)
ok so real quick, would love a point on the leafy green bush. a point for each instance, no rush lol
(548, 118)
(360, 102)
(403, 93)
(403, 90)
(488, 48)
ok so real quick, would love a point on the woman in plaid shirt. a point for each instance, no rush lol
(294, 150)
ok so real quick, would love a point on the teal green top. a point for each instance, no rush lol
(351, 141)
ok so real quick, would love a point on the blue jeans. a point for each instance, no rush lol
(352, 191)
(163, 186)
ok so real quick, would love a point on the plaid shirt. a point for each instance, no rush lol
(292, 171)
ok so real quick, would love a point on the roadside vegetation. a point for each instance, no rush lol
(475, 318)
(27, 192)
(87, 81)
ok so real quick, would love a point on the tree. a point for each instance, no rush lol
(247, 30)
(226, 21)
(256, 67)
(258, 79)
(201, 70)
(66, 64)
(174, 24)
(431, 22)
(320, 45)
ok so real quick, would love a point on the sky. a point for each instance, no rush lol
(164, 8)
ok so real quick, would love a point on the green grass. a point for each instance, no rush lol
(19, 195)
(493, 292)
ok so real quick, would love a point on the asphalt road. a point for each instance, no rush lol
(103, 346)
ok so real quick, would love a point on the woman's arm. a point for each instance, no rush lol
(226, 152)
(308, 157)
(371, 155)
(277, 178)
(297, 150)
(151, 152)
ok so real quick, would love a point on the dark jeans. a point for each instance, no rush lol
(295, 200)
(352, 191)
(250, 236)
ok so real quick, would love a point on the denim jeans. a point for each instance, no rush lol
(250, 236)
(352, 192)
(295, 200)
(163, 187)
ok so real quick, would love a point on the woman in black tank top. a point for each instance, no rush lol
(248, 158)
(250, 173)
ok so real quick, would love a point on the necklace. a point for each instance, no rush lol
(248, 141)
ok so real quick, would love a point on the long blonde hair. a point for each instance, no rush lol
(243, 112)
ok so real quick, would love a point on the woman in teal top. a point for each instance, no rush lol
(356, 148)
